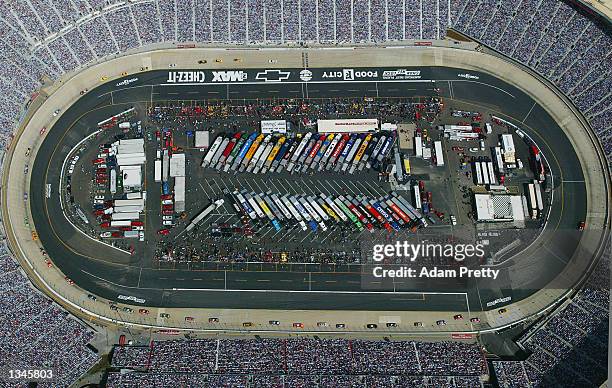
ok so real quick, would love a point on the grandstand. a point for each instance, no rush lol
(37, 331)
(323, 362)
(44, 40)
(571, 347)
(50, 38)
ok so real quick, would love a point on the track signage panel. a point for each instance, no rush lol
(314, 75)
(230, 76)
(186, 77)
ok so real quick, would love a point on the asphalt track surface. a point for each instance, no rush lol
(108, 273)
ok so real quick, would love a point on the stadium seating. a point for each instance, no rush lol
(36, 332)
(572, 346)
(301, 362)
(49, 38)
(53, 37)
(569, 48)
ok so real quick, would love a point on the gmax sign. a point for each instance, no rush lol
(186, 77)
(229, 76)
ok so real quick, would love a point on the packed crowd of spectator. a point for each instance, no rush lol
(138, 379)
(53, 37)
(571, 348)
(37, 333)
(301, 362)
(569, 48)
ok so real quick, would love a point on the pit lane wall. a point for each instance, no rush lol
(63, 94)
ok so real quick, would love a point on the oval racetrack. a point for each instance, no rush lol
(109, 273)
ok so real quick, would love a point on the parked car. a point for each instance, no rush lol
(372, 326)
(275, 323)
(458, 317)
(441, 322)
(340, 326)
(298, 325)
(213, 320)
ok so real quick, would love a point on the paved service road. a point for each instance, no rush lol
(110, 273)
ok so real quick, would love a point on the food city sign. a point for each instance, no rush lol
(350, 74)
(175, 77)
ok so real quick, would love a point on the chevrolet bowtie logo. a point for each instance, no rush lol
(273, 75)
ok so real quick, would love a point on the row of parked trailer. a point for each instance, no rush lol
(260, 153)
(391, 212)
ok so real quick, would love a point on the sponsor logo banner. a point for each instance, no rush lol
(306, 75)
(127, 81)
(350, 74)
(175, 77)
(229, 76)
(468, 76)
(132, 298)
(401, 74)
(273, 75)
(498, 301)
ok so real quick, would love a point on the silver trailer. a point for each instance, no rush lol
(281, 206)
(217, 155)
(254, 205)
(262, 147)
(263, 157)
(212, 151)
(318, 209)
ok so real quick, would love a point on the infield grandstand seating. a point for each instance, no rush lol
(295, 362)
(36, 332)
(53, 37)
